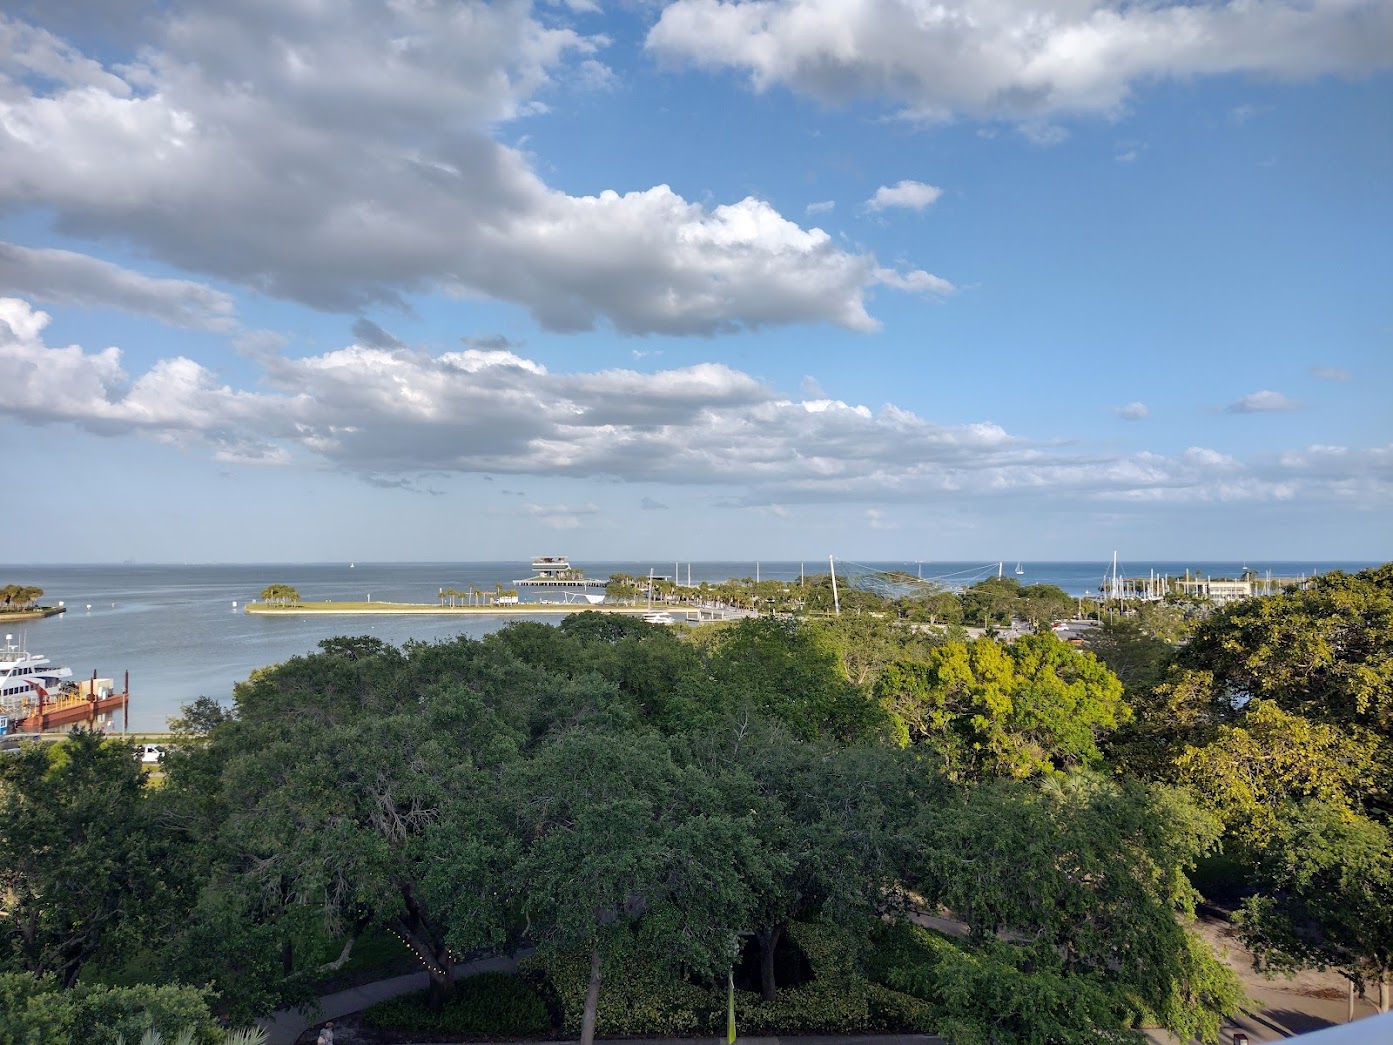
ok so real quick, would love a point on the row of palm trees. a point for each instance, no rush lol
(17, 597)
(280, 595)
(473, 596)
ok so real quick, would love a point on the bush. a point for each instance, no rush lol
(636, 997)
(490, 1004)
(639, 999)
(36, 1010)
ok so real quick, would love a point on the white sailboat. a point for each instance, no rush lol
(1019, 571)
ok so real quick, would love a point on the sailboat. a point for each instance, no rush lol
(1019, 571)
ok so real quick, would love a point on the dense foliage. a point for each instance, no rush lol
(871, 822)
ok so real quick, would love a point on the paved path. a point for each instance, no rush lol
(1280, 1008)
(286, 1026)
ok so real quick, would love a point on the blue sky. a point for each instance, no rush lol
(696, 279)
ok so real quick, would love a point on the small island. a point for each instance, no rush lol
(284, 600)
(21, 602)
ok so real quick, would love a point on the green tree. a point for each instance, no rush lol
(620, 840)
(20, 596)
(280, 595)
(1252, 770)
(782, 669)
(80, 859)
(865, 644)
(1084, 877)
(992, 601)
(1041, 603)
(1139, 659)
(1035, 705)
(1329, 901)
(339, 794)
(832, 821)
(1325, 652)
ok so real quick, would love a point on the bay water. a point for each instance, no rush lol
(181, 630)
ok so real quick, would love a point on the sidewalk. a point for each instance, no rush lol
(286, 1026)
(1281, 1008)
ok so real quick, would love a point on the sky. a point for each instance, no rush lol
(418, 280)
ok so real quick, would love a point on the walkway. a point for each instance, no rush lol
(1281, 1008)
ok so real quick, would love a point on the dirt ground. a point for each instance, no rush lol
(1281, 1006)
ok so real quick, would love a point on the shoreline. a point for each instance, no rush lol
(391, 608)
(36, 614)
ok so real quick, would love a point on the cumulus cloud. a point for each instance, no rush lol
(1132, 411)
(1020, 60)
(68, 278)
(821, 207)
(1264, 402)
(399, 416)
(344, 156)
(911, 195)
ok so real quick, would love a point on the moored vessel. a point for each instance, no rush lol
(37, 696)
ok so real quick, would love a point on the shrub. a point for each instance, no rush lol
(638, 998)
(490, 1004)
(34, 1009)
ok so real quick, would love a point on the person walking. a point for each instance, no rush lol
(326, 1036)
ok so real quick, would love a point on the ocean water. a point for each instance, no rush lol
(176, 631)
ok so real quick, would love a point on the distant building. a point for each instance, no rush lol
(1217, 590)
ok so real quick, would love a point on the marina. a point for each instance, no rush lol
(37, 696)
(176, 630)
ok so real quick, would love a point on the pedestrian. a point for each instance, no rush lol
(326, 1036)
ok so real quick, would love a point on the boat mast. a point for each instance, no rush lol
(836, 603)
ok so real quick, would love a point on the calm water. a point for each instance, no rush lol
(175, 630)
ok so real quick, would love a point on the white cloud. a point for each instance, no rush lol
(344, 155)
(820, 207)
(393, 415)
(68, 278)
(912, 195)
(918, 281)
(1331, 373)
(1017, 59)
(1132, 411)
(1263, 402)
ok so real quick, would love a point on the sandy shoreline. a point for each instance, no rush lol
(389, 608)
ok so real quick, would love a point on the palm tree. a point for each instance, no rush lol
(280, 595)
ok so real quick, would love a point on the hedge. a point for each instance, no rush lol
(489, 1004)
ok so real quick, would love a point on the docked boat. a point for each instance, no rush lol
(659, 617)
(37, 696)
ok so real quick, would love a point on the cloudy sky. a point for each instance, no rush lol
(696, 279)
